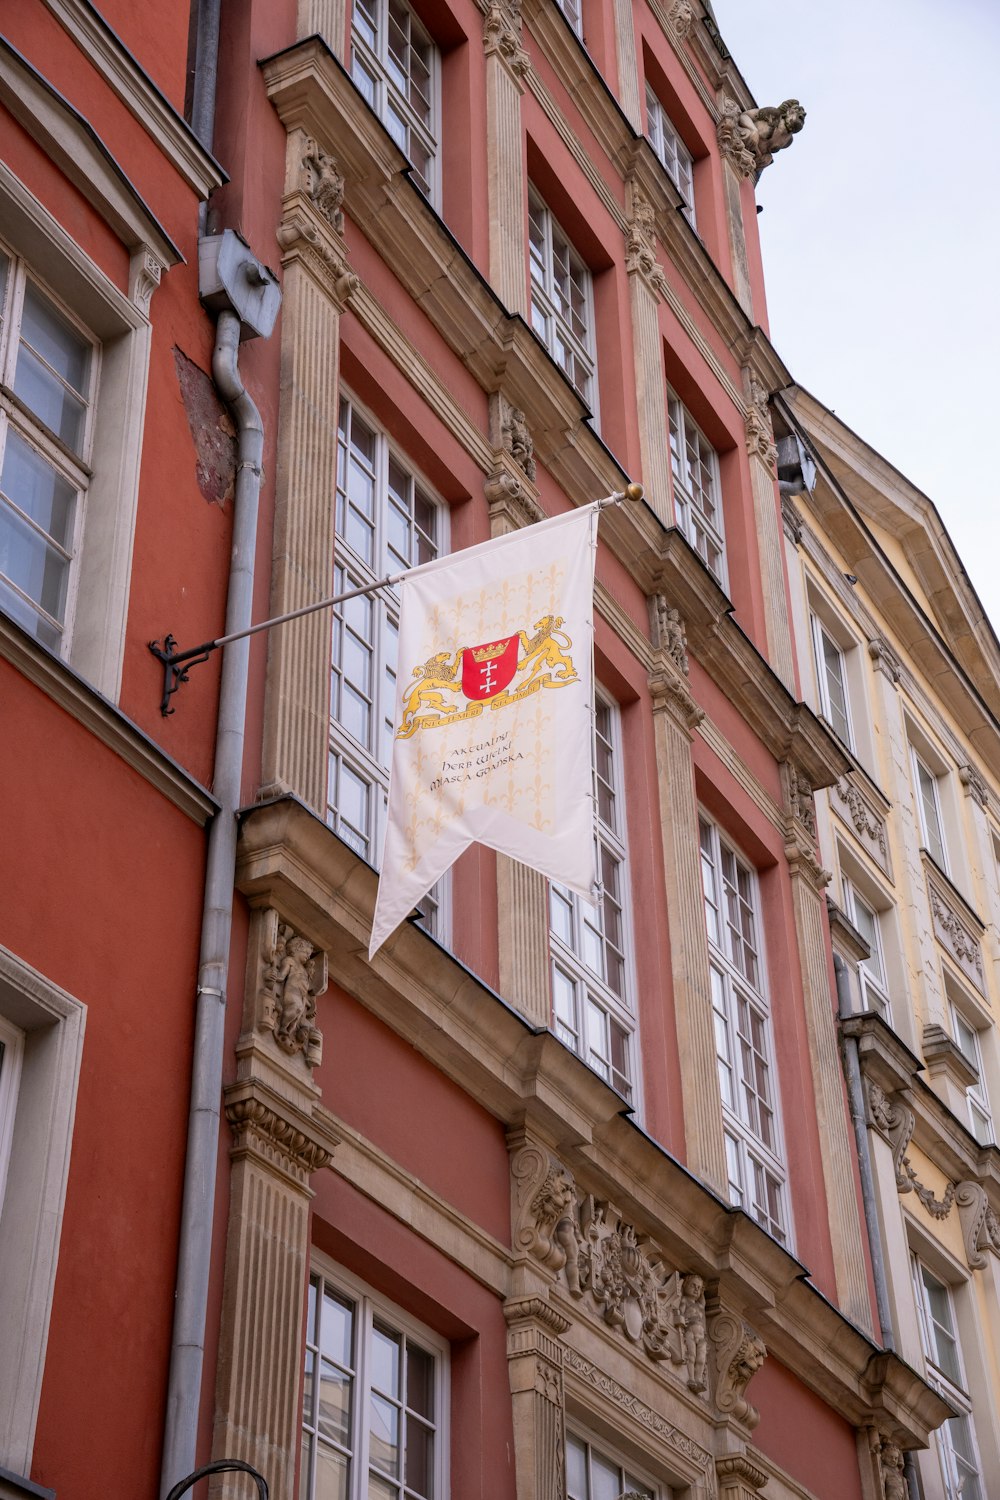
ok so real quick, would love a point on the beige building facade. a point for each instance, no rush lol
(896, 655)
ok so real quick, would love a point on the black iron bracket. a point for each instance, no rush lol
(221, 1466)
(176, 665)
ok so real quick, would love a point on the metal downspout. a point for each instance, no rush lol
(197, 1211)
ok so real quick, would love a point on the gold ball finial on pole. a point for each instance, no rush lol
(633, 492)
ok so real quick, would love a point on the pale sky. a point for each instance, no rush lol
(881, 235)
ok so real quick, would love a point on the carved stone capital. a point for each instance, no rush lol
(144, 274)
(306, 235)
(980, 1226)
(737, 1354)
(502, 37)
(517, 1310)
(975, 786)
(669, 635)
(738, 1476)
(885, 659)
(671, 694)
(759, 430)
(277, 1137)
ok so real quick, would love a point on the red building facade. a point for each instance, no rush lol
(541, 1202)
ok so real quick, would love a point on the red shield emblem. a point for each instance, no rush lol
(486, 670)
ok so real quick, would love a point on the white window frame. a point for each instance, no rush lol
(874, 976)
(386, 86)
(573, 11)
(836, 715)
(11, 1053)
(39, 1108)
(673, 155)
(629, 1480)
(952, 1461)
(745, 1055)
(370, 1308)
(592, 1014)
(369, 762)
(705, 532)
(21, 423)
(94, 643)
(569, 347)
(933, 837)
(966, 1036)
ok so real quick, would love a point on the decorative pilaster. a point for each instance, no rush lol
(317, 285)
(675, 717)
(808, 881)
(739, 1479)
(325, 18)
(534, 1367)
(737, 164)
(507, 63)
(279, 1140)
(629, 88)
(645, 279)
(762, 454)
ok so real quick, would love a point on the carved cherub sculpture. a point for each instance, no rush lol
(694, 1335)
(893, 1478)
(770, 129)
(294, 972)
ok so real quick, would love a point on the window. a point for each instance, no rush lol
(48, 377)
(562, 300)
(375, 1399)
(672, 152)
(831, 676)
(955, 1440)
(573, 11)
(11, 1048)
(980, 1114)
(590, 946)
(743, 1036)
(591, 1475)
(929, 811)
(874, 984)
(395, 65)
(694, 467)
(385, 522)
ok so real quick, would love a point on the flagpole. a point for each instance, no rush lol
(177, 663)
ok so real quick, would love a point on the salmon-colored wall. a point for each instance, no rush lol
(804, 1435)
(103, 882)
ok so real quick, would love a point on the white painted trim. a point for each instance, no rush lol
(31, 1220)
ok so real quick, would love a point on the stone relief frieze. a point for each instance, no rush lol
(656, 1424)
(607, 1264)
(867, 824)
(294, 974)
(954, 935)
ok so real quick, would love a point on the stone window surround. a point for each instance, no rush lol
(119, 322)
(52, 1022)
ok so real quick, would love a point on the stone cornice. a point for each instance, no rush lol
(105, 722)
(290, 860)
(139, 94)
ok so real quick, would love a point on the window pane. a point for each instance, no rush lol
(337, 1336)
(55, 340)
(385, 1361)
(335, 1405)
(332, 1471)
(384, 1435)
(419, 1381)
(419, 1457)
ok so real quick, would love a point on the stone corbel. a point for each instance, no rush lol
(975, 786)
(668, 681)
(144, 272)
(894, 1120)
(885, 660)
(737, 1353)
(543, 1212)
(749, 138)
(980, 1226)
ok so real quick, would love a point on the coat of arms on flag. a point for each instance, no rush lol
(494, 726)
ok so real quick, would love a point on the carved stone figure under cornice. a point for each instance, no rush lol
(294, 975)
(324, 184)
(671, 636)
(517, 440)
(891, 1468)
(800, 799)
(760, 433)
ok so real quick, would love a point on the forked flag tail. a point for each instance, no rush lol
(494, 713)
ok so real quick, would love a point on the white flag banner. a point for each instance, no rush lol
(494, 713)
